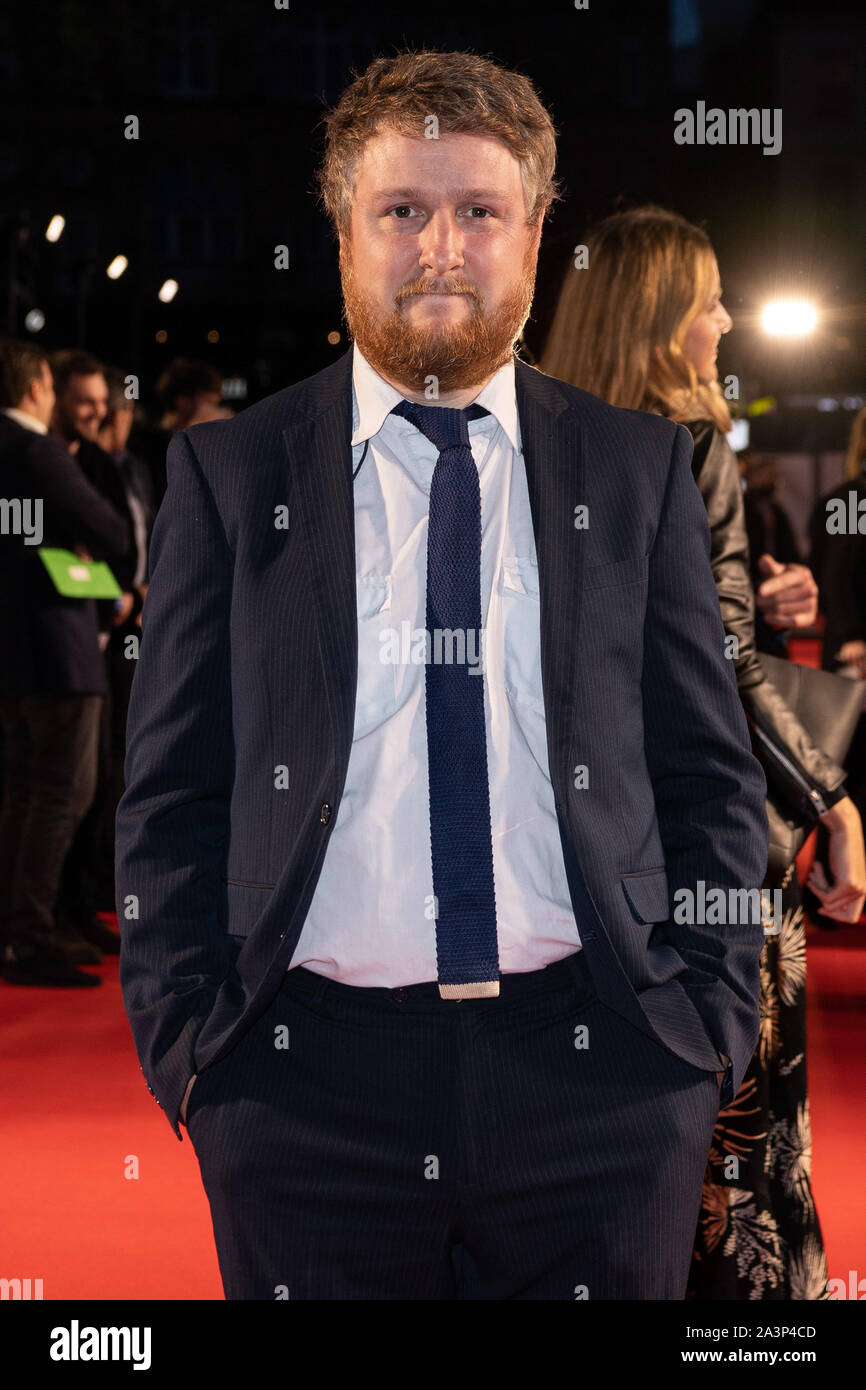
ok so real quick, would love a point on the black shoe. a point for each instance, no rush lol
(74, 947)
(42, 965)
(98, 934)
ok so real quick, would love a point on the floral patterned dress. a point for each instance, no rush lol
(758, 1232)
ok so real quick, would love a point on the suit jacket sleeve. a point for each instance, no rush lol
(708, 786)
(80, 514)
(173, 820)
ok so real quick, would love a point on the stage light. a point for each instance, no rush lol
(167, 291)
(54, 230)
(34, 321)
(117, 267)
(789, 318)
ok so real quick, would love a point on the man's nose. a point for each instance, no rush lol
(441, 243)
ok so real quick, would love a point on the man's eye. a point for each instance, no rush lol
(406, 208)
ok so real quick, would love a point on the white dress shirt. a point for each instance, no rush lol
(22, 418)
(371, 920)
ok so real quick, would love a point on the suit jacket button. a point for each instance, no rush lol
(326, 813)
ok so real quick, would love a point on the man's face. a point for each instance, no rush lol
(438, 265)
(81, 407)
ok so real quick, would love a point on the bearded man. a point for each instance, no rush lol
(398, 947)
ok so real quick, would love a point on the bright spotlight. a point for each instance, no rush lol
(167, 291)
(117, 267)
(34, 321)
(789, 318)
(54, 230)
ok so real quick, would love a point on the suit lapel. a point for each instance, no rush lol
(321, 508)
(553, 456)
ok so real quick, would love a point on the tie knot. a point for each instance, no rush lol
(444, 427)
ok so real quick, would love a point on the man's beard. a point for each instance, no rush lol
(64, 425)
(458, 355)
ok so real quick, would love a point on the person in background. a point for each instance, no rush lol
(52, 677)
(769, 532)
(79, 416)
(190, 393)
(120, 653)
(838, 563)
(640, 328)
(81, 398)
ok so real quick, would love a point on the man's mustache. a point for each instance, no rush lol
(432, 287)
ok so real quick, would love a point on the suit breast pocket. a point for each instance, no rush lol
(616, 573)
(377, 678)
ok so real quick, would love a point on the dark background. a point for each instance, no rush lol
(230, 99)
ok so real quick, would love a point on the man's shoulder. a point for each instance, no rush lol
(261, 425)
(30, 446)
(13, 437)
(604, 421)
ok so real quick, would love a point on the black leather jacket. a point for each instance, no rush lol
(811, 779)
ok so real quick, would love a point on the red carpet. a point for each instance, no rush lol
(75, 1113)
(836, 992)
(76, 1116)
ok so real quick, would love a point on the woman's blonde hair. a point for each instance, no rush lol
(620, 324)
(855, 459)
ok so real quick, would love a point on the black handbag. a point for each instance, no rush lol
(828, 707)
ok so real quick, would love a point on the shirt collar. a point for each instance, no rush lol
(28, 421)
(373, 399)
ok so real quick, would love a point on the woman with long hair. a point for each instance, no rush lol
(838, 562)
(640, 327)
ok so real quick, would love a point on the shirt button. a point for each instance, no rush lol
(325, 813)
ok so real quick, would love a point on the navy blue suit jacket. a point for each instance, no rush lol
(49, 643)
(248, 663)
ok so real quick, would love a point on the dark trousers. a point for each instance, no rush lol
(87, 883)
(389, 1144)
(49, 778)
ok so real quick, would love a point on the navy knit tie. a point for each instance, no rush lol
(466, 948)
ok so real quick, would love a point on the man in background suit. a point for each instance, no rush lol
(398, 933)
(124, 632)
(52, 675)
(85, 418)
